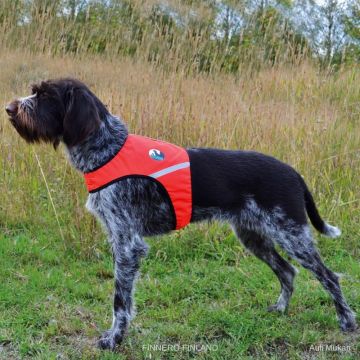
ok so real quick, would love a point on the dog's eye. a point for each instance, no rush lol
(34, 90)
(40, 94)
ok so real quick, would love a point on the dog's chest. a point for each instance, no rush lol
(137, 203)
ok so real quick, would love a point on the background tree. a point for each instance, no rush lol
(194, 35)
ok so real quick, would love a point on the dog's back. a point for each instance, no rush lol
(228, 179)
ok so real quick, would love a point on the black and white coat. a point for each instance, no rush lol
(265, 201)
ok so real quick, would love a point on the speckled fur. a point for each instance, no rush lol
(262, 216)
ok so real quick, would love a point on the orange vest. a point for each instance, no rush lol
(141, 156)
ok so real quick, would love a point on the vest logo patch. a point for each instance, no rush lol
(156, 155)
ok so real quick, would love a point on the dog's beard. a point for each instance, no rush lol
(25, 118)
(24, 123)
(29, 127)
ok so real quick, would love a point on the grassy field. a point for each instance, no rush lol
(198, 286)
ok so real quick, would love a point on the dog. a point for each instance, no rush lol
(264, 200)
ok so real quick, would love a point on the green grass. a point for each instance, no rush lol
(197, 286)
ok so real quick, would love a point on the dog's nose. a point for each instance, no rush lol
(11, 108)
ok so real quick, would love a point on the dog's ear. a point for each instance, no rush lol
(81, 116)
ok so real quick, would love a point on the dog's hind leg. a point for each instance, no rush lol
(297, 241)
(127, 252)
(264, 249)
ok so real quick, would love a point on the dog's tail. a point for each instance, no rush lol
(315, 218)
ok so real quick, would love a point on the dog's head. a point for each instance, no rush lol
(63, 109)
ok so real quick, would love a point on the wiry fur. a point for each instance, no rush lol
(263, 199)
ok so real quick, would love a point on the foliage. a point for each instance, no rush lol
(196, 36)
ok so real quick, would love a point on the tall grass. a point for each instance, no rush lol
(305, 119)
(151, 76)
(143, 29)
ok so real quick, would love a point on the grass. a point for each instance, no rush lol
(174, 34)
(54, 305)
(198, 286)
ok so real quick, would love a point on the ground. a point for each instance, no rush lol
(200, 294)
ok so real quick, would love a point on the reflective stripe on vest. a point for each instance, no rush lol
(141, 156)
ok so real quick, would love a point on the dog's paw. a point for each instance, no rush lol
(106, 343)
(348, 323)
(277, 308)
(109, 340)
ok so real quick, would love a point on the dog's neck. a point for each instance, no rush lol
(100, 147)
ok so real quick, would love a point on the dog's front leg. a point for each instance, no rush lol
(127, 251)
